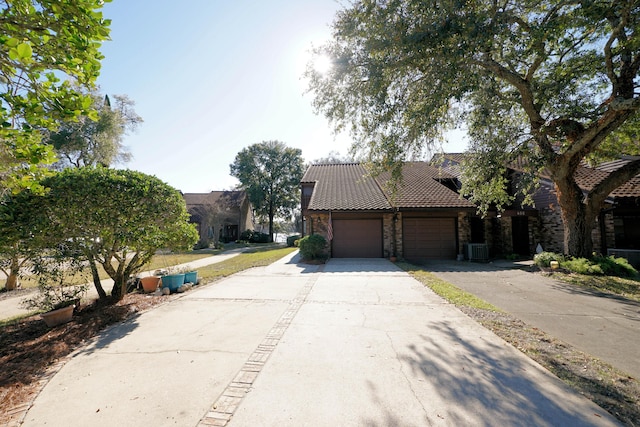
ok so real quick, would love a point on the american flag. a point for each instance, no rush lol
(330, 229)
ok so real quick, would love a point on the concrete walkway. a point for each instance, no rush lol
(351, 343)
(11, 307)
(599, 324)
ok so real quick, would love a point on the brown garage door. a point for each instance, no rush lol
(357, 238)
(425, 238)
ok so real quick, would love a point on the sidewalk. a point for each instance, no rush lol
(10, 306)
(354, 342)
(599, 324)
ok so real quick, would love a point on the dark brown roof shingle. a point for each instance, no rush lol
(350, 187)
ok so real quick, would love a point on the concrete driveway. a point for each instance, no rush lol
(350, 343)
(599, 324)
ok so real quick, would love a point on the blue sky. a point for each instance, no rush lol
(211, 77)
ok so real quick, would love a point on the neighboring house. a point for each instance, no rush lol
(220, 215)
(424, 219)
(520, 228)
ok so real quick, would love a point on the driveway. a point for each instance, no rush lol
(350, 343)
(599, 324)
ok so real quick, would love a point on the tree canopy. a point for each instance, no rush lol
(270, 173)
(44, 44)
(550, 82)
(93, 142)
(112, 218)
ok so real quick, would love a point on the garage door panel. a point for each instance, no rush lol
(425, 238)
(357, 238)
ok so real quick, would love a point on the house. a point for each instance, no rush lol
(361, 216)
(220, 215)
(520, 228)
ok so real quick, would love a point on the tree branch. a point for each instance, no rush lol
(614, 180)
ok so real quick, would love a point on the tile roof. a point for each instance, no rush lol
(344, 186)
(421, 187)
(586, 177)
(349, 187)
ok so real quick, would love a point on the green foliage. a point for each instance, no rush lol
(526, 80)
(270, 173)
(600, 265)
(254, 237)
(291, 240)
(313, 247)
(92, 142)
(43, 45)
(57, 271)
(544, 259)
(114, 218)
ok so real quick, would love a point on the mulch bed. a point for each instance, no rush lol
(30, 349)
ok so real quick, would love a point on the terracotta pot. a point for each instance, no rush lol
(150, 283)
(393, 258)
(59, 316)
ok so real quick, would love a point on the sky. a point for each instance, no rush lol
(212, 77)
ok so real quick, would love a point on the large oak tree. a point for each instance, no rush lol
(270, 173)
(552, 82)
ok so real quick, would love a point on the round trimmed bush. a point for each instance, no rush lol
(313, 247)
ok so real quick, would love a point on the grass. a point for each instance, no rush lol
(159, 261)
(625, 287)
(256, 257)
(605, 385)
(446, 290)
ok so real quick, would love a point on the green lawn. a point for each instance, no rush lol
(627, 287)
(446, 290)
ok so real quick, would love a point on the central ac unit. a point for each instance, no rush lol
(476, 252)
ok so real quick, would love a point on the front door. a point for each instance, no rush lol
(520, 235)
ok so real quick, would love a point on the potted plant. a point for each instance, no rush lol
(190, 276)
(56, 302)
(58, 294)
(150, 283)
(172, 279)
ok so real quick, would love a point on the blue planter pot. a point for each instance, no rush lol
(173, 281)
(191, 277)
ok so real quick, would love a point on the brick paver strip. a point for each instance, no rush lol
(224, 407)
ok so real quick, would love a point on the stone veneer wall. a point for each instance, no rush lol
(464, 230)
(552, 231)
(387, 235)
(318, 224)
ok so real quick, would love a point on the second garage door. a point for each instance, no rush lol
(357, 238)
(429, 238)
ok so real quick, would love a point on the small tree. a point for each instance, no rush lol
(270, 173)
(116, 219)
(91, 142)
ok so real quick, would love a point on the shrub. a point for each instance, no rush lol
(291, 240)
(599, 265)
(313, 247)
(246, 235)
(544, 259)
(259, 237)
(613, 266)
(582, 266)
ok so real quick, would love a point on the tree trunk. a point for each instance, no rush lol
(577, 217)
(119, 289)
(12, 282)
(96, 277)
(271, 222)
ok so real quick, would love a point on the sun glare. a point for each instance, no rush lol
(322, 64)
